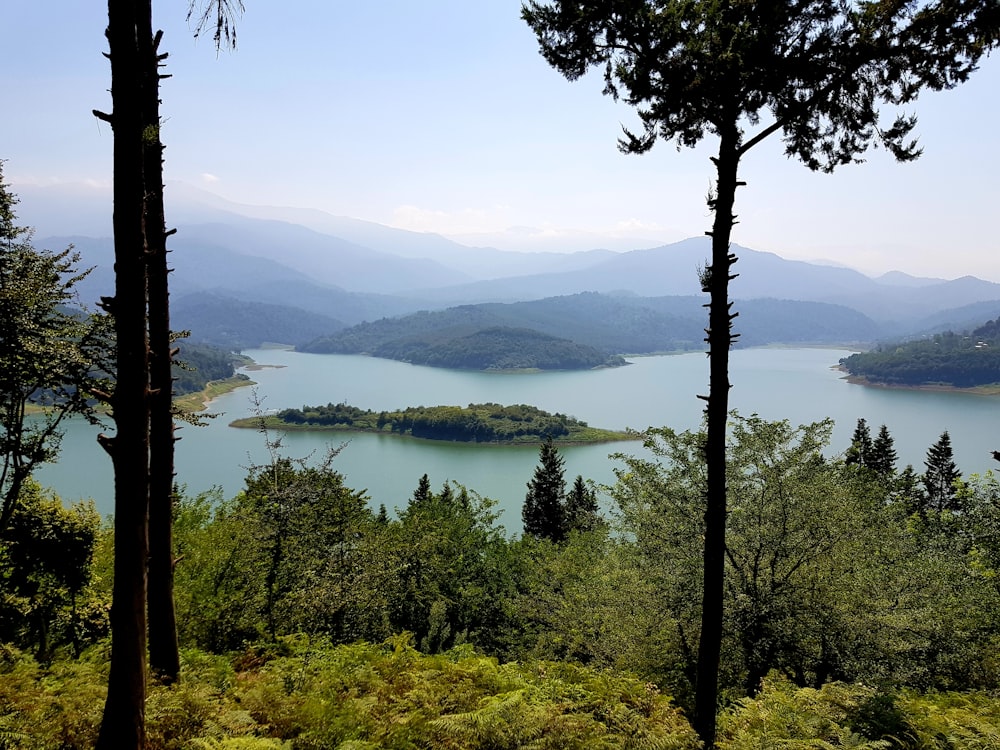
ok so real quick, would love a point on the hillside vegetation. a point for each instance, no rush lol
(593, 328)
(959, 360)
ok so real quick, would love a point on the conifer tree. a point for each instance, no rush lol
(883, 455)
(543, 514)
(581, 509)
(940, 476)
(423, 493)
(860, 452)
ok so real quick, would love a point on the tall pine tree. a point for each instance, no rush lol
(544, 514)
(883, 455)
(939, 478)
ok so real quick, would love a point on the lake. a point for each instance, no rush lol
(776, 383)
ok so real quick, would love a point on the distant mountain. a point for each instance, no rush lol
(898, 278)
(354, 271)
(237, 324)
(901, 308)
(673, 270)
(609, 324)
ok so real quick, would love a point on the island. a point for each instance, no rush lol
(476, 423)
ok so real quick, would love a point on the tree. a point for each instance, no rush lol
(940, 477)
(543, 514)
(45, 564)
(883, 455)
(819, 72)
(581, 509)
(797, 526)
(136, 309)
(860, 451)
(48, 353)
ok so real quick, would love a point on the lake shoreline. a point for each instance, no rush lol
(976, 390)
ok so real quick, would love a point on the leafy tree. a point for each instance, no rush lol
(940, 477)
(820, 73)
(451, 570)
(45, 565)
(543, 513)
(798, 524)
(48, 353)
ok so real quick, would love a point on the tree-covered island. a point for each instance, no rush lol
(475, 423)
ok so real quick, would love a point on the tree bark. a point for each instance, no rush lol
(123, 723)
(720, 338)
(164, 659)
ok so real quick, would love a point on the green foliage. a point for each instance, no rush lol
(451, 572)
(828, 577)
(789, 717)
(49, 353)
(201, 363)
(45, 567)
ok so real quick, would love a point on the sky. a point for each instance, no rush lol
(441, 116)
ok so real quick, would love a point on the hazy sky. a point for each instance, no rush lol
(442, 116)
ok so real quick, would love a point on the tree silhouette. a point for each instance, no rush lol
(141, 396)
(820, 73)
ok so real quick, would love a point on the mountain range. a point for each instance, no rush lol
(245, 275)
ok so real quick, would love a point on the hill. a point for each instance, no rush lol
(964, 360)
(610, 325)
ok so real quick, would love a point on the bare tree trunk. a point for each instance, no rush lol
(123, 724)
(720, 337)
(164, 659)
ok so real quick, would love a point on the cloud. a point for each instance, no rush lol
(208, 178)
(464, 221)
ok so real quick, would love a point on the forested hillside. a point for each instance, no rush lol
(468, 335)
(960, 360)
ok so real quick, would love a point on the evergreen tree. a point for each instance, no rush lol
(939, 479)
(581, 510)
(423, 492)
(544, 514)
(883, 453)
(859, 454)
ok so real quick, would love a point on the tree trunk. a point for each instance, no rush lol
(123, 724)
(720, 337)
(164, 659)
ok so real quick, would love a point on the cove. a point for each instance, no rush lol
(776, 383)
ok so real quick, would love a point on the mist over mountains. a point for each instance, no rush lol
(245, 275)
